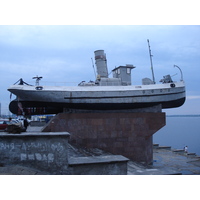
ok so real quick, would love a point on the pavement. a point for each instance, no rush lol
(167, 162)
(184, 163)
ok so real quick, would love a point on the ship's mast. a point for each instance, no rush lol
(95, 76)
(151, 63)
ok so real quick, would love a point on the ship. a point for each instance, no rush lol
(102, 95)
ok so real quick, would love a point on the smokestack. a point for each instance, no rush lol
(101, 63)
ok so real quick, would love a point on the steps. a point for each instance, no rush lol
(157, 146)
(179, 151)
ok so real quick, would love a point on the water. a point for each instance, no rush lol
(179, 132)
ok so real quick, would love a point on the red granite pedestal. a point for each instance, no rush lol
(127, 134)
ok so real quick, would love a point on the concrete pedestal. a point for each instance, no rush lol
(127, 134)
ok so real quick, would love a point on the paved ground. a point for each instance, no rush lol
(167, 162)
(181, 162)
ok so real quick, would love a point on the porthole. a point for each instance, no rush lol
(172, 85)
(39, 88)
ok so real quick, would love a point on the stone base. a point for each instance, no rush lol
(46, 152)
(127, 134)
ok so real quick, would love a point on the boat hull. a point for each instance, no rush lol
(52, 100)
(37, 108)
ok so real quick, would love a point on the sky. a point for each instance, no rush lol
(57, 42)
(62, 54)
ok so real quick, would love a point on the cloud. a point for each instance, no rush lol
(193, 97)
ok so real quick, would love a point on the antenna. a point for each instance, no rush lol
(93, 68)
(37, 80)
(151, 62)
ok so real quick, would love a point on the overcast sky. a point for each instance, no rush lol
(62, 55)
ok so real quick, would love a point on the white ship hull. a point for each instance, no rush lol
(47, 99)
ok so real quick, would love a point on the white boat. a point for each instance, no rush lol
(104, 94)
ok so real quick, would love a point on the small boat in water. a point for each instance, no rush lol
(104, 94)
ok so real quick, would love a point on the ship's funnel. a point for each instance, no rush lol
(101, 63)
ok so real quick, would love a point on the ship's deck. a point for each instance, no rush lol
(97, 88)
